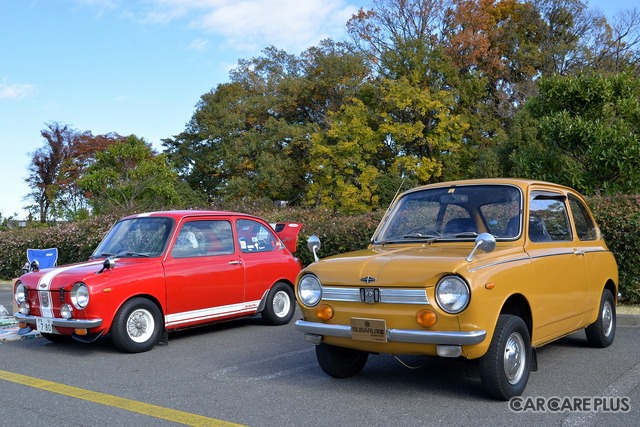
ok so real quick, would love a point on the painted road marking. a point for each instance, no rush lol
(155, 411)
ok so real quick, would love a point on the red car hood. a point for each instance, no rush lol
(66, 275)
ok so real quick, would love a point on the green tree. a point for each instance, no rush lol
(130, 177)
(582, 131)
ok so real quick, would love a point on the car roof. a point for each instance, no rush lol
(519, 182)
(179, 214)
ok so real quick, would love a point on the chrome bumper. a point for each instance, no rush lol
(62, 323)
(397, 335)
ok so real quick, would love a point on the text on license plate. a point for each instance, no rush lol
(368, 329)
(44, 325)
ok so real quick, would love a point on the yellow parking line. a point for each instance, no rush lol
(185, 418)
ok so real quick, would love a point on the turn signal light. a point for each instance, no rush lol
(81, 332)
(426, 318)
(324, 311)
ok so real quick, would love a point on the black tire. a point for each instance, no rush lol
(340, 362)
(505, 368)
(137, 326)
(56, 338)
(280, 305)
(602, 332)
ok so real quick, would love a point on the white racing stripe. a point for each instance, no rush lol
(44, 286)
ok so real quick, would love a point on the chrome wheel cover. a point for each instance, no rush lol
(607, 318)
(281, 304)
(515, 358)
(140, 325)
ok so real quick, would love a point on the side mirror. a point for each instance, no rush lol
(108, 264)
(485, 242)
(313, 243)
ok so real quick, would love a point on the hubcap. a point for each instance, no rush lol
(140, 325)
(607, 318)
(514, 358)
(281, 304)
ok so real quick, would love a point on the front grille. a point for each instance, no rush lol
(386, 295)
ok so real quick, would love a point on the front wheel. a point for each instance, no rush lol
(280, 305)
(340, 362)
(504, 369)
(601, 332)
(137, 326)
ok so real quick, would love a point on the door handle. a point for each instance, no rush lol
(578, 252)
(235, 262)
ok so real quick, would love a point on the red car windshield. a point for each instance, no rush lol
(146, 237)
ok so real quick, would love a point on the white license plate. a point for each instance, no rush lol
(44, 325)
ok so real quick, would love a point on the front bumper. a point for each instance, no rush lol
(398, 335)
(61, 323)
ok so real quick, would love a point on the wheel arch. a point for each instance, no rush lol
(150, 297)
(518, 305)
(265, 295)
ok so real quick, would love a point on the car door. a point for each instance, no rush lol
(558, 297)
(261, 255)
(204, 274)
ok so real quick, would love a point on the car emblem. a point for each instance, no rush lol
(369, 295)
(43, 285)
(368, 279)
(44, 299)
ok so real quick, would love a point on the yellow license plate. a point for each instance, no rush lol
(368, 329)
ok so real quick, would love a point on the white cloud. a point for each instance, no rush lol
(198, 44)
(251, 25)
(16, 91)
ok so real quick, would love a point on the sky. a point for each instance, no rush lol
(139, 66)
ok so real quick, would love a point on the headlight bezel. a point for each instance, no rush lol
(309, 290)
(452, 294)
(80, 296)
(20, 293)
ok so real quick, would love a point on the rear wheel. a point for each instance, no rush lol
(280, 305)
(504, 369)
(340, 362)
(137, 326)
(602, 332)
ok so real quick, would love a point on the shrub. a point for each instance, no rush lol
(619, 221)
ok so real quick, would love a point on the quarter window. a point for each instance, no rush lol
(585, 227)
(255, 237)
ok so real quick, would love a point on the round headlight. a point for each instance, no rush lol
(452, 294)
(20, 294)
(309, 290)
(80, 295)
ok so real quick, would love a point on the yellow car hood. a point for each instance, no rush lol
(403, 266)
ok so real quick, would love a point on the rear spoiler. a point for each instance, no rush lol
(288, 233)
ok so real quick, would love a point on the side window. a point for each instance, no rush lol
(203, 238)
(255, 237)
(585, 227)
(548, 219)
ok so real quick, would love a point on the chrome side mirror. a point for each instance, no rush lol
(485, 242)
(108, 264)
(313, 243)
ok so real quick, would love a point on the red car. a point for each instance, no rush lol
(163, 271)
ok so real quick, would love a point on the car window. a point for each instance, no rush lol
(204, 238)
(585, 227)
(142, 236)
(254, 237)
(548, 219)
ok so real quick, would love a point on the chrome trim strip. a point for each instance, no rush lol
(480, 267)
(331, 293)
(387, 295)
(398, 335)
(62, 323)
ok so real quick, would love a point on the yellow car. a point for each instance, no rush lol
(485, 269)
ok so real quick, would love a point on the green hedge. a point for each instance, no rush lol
(618, 217)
